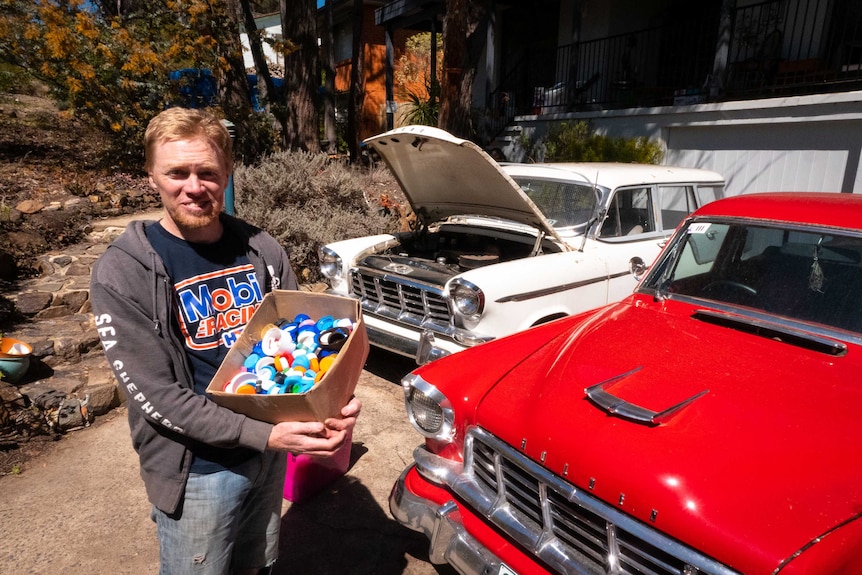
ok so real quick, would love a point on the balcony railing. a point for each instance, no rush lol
(777, 47)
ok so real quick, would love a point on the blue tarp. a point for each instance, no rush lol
(197, 88)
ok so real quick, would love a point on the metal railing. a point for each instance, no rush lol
(777, 47)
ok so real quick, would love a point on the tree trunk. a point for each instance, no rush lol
(329, 129)
(301, 74)
(464, 27)
(264, 80)
(357, 87)
(235, 98)
(267, 95)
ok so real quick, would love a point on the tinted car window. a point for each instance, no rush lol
(812, 276)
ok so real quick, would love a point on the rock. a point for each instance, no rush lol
(75, 300)
(42, 348)
(67, 348)
(26, 241)
(31, 303)
(29, 206)
(60, 261)
(45, 266)
(9, 393)
(102, 397)
(10, 215)
(78, 269)
(54, 311)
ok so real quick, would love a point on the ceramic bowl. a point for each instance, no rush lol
(14, 359)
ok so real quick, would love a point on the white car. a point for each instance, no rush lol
(503, 247)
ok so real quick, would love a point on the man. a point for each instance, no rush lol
(167, 296)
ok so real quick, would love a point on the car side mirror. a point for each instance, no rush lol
(637, 267)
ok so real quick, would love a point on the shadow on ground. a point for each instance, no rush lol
(347, 532)
(389, 366)
(344, 530)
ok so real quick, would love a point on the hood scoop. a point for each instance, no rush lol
(619, 407)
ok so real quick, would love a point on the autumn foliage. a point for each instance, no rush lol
(113, 69)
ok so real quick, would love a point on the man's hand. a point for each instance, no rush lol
(313, 437)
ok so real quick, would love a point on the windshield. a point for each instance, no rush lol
(801, 274)
(564, 204)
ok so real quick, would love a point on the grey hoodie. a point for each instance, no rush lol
(132, 299)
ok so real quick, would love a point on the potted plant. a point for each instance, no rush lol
(14, 358)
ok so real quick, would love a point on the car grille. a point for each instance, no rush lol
(564, 527)
(412, 303)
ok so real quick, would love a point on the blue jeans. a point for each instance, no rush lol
(228, 520)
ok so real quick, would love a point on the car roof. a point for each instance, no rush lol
(818, 208)
(616, 174)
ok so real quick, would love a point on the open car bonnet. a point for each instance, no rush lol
(443, 176)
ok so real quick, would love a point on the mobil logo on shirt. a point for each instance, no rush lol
(215, 307)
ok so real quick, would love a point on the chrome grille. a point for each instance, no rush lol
(569, 530)
(415, 303)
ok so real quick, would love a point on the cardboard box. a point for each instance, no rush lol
(330, 394)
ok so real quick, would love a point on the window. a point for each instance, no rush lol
(676, 203)
(706, 194)
(563, 204)
(629, 213)
(804, 275)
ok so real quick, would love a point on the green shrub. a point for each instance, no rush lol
(304, 200)
(15, 80)
(423, 108)
(574, 142)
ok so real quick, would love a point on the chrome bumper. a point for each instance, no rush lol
(423, 351)
(450, 542)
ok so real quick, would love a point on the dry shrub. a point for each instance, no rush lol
(305, 200)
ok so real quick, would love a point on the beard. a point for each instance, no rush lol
(186, 220)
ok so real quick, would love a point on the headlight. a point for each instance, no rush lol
(428, 410)
(330, 264)
(468, 301)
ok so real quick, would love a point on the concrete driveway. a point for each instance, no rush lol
(81, 509)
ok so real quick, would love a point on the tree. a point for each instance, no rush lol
(301, 74)
(234, 96)
(464, 27)
(328, 64)
(113, 67)
(357, 85)
(110, 8)
(266, 87)
(110, 70)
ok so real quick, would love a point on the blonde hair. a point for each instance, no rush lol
(187, 123)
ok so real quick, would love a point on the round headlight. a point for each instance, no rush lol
(330, 263)
(468, 300)
(428, 410)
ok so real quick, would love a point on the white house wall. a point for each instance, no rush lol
(271, 56)
(784, 157)
(805, 143)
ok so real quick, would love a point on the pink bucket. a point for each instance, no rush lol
(306, 475)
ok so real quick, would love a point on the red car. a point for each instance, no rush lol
(710, 423)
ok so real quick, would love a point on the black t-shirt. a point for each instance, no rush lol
(217, 292)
